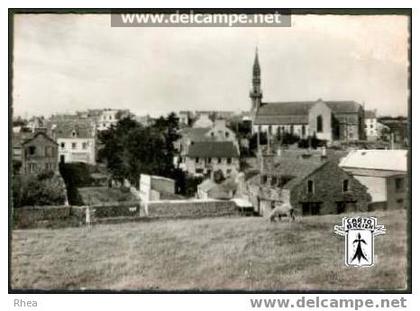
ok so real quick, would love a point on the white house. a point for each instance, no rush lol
(371, 125)
(383, 172)
(110, 117)
(76, 141)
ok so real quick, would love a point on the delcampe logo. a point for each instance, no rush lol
(359, 233)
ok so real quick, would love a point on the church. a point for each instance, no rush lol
(327, 120)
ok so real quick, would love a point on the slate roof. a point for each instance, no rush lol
(195, 134)
(390, 160)
(213, 149)
(297, 112)
(83, 129)
(295, 169)
(38, 134)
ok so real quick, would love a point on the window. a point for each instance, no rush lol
(32, 150)
(219, 160)
(310, 186)
(229, 160)
(270, 129)
(319, 125)
(73, 145)
(197, 160)
(32, 167)
(345, 185)
(73, 133)
(199, 171)
(63, 145)
(212, 134)
(84, 145)
(273, 181)
(292, 128)
(264, 179)
(227, 134)
(208, 160)
(399, 184)
(303, 130)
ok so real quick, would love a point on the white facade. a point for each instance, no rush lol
(371, 128)
(107, 118)
(76, 150)
(300, 130)
(202, 166)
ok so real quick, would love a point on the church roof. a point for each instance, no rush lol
(297, 112)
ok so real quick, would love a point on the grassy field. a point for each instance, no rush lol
(206, 254)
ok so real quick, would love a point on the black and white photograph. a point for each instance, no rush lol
(210, 151)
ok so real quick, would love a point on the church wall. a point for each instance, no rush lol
(320, 109)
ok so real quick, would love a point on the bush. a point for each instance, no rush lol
(287, 138)
(191, 184)
(312, 142)
(38, 190)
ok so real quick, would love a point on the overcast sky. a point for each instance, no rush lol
(64, 63)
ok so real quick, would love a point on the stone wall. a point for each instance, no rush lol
(328, 189)
(40, 216)
(191, 209)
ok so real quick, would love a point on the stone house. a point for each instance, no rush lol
(311, 184)
(383, 172)
(39, 154)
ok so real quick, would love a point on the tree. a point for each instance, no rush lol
(130, 149)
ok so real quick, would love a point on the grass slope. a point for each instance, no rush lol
(207, 254)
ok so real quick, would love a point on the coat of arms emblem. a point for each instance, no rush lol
(359, 233)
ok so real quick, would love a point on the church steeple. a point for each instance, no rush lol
(256, 93)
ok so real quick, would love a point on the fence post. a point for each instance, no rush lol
(90, 215)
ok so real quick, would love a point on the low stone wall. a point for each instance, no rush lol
(40, 216)
(70, 216)
(115, 209)
(190, 208)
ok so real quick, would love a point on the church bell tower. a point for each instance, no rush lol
(256, 94)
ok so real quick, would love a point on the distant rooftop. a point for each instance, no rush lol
(390, 160)
(213, 149)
